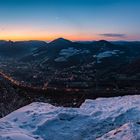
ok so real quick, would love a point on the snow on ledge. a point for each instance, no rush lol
(102, 119)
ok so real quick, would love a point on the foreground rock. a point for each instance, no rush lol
(101, 119)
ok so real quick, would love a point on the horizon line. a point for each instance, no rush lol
(14, 40)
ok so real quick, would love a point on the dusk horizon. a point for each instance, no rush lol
(90, 40)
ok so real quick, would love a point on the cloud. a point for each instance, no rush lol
(113, 35)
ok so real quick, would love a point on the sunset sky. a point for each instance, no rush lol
(71, 19)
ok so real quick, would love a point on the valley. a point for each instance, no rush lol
(82, 71)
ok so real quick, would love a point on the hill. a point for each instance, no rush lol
(19, 48)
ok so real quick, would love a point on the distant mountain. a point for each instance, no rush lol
(19, 48)
(56, 45)
(51, 51)
(125, 42)
(62, 52)
(102, 43)
(60, 41)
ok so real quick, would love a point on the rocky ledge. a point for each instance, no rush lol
(101, 119)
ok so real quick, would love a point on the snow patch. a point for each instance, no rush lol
(107, 54)
(66, 53)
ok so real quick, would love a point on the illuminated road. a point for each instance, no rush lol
(20, 84)
(88, 92)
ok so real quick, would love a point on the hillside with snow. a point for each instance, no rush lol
(102, 119)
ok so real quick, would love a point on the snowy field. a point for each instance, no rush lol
(102, 119)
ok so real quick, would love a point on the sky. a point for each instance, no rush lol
(71, 19)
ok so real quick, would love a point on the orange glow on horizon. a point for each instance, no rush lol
(48, 38)
(19, 33)
(22, 35)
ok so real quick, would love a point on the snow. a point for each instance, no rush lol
(102, 119)
(64, 54)
(129, 131)
(107, 54)
(60, 59)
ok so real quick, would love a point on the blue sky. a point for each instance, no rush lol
(72, 19)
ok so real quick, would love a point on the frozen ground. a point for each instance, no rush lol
(102, 119)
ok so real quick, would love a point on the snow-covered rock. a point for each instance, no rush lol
(129, 131)
(102, 119)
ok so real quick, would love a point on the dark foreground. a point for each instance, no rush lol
(16, 96)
